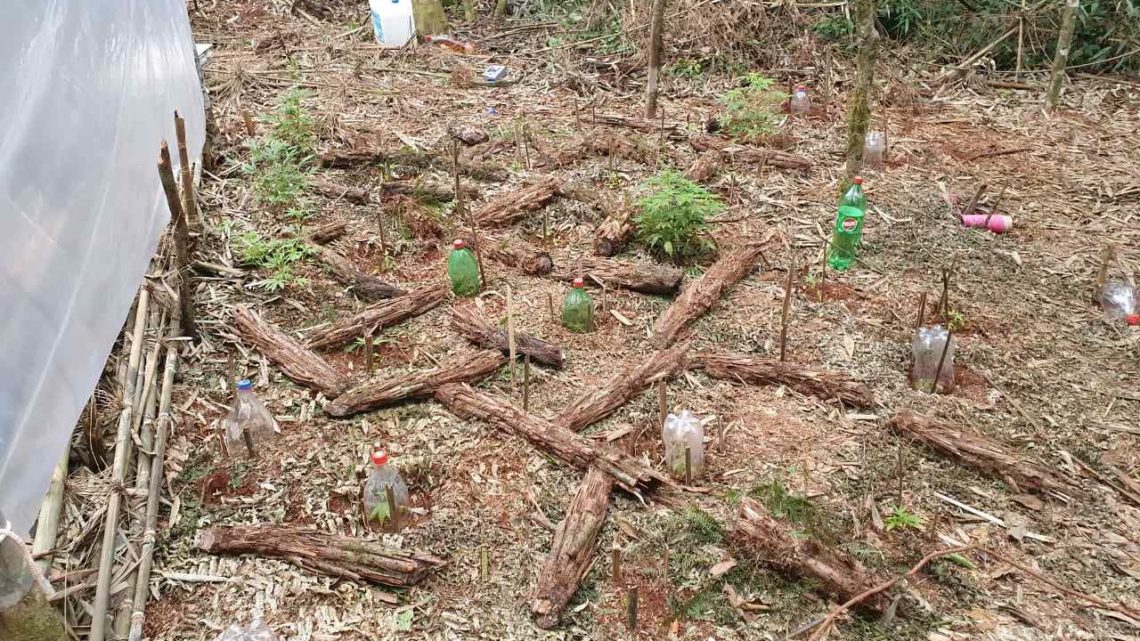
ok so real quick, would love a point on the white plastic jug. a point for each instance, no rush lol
(393, 22)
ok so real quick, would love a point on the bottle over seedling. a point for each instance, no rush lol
(463, 270)
(257, 630)
(250, 426)
(800, 102)
(1118, 300)
(927, 347)
(680, 434)
(874, 149)
(848, 232)
(376, 506)
(578, 308)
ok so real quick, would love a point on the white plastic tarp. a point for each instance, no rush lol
(88, 89)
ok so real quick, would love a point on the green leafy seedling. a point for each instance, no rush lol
(902, 519)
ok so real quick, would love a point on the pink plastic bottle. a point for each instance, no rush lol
(376, 507)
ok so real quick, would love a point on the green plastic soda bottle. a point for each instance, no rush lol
(463, 270)
(578, 309)
(854, 196)
(848, 231)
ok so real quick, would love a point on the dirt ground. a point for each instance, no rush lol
(1037, 366)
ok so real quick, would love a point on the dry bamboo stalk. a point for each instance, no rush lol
(189, 205)
(154, 489)
(181, 242)
(118, 473)
(47, 525)
(511, 333)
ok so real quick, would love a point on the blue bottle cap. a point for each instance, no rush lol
(244, 385)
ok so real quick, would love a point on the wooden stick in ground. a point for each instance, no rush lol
(181, 243)
(572, 549)
(656, 26)
(512, 206)
(511, 335)
(644, 277)
(628, 472)
(1061, 58)
(470, 324)
(973, 204)
(526, 383)
(1106, 256)
(346, 557)
(154, 490)
(383, 235)
(383, 314)
(759, 371)
(970, 448)
(599, 403)
(189, 205)
(921, 310)
(118, 471)
(47, 525)
(296, 361)
(942, 362)
(698, 296)
(459, 209)
(368, 355)
(402, 387)
(784, 313)
(367, 288)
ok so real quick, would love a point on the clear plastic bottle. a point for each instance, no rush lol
(578, 309)
(1119, 302)
(463, 270)
(800, 102)
(874, 149)
(680, 433)
(926, 349)
(257, 630)
(376, 507)
(250, 426)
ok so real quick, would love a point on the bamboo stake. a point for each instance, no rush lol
(615, 555)
(1020, 41)
(631, 613)
(383, 236)
(511, 334)
(921, 310)
(662, 405)
(459, 210)
(162, 429)
(784, 313)
(119, 471)
(393, 510)
(526, 382)
(942, 360)
(47, 525)
(368, 352)
(181, 243)
(250, 128)
(189, 205)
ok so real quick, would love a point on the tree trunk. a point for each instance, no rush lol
(647, 278)
(731, 152)
(614, 233)
(629, 473)
(367, 288)
(429, 16)
(511, 206)
(25, 612)
(859, 110)
(700, 295)
(298, 363)
(774, 543)
(417, 385)
(346, 557)
(378, 316)
(981, 453)
(761, 371)
(656, 25)
(599, 403)
(705, 166)
(1061, 57)
(469, 10)
(334, 190)
(500, 9)
(572, 549)
(466, 320)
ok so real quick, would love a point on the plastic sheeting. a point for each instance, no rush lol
(88, 89)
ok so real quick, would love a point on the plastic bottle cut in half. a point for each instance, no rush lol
(250, 426)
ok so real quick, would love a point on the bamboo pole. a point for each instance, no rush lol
(181, 242)
(1061, 58)
(189, 205)
(118, 472)
(47, 525)
(655, 47)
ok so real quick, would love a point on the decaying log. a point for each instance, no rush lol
(376, 317)
(511, 206)
(426, 193)
(759, 536)
(515, 253)
(471, 325)
(628, 472)
(401, 387)
(598, 143)
(328, 232)
(698, 296)
(614, 233)
(408, 158)
(599, 403)
(367, 288)
(346, 557)
(672, 130)
(468, 134)
(968, 447)
(297, 362)
(334, 190)
(749, 154)
(647, 278)
(572, 549)
(705, 166)
(762, 371)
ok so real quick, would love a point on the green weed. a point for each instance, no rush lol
(278, 170)
(956, 320)
(752, 112)
(277, 256)
(796, 508)
(902, 519)
(673, 218)
(687, 68)
(291, 123)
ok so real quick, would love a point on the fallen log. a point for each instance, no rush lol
(647, 278)
(346, 557)
(599, 403)
(334, 190)
(328, 232)
(513, 253)
(298, 363)
(596, 143)
(367, 288)
(614, 233)
(746, 153)
(383, 314)
(426, 193)
(401, 387)
(572, 549)
(672, 130)
(408, 158)
(700, 295)
(758, 536)
(979, 452)
(629, 473)
(511, 206)
(762, 371)
(705, 166)
(471, 325)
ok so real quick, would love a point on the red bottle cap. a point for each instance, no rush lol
(459, 243)
(578, 282)
(379, 457)
(1134, 319)
(801, 88)
(858, 180)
